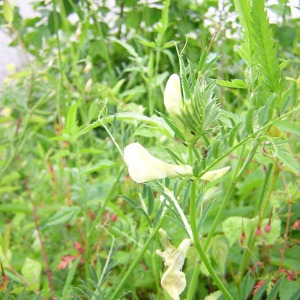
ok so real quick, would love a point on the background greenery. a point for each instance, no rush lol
(72, 221)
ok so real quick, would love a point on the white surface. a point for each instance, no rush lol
(13, 55)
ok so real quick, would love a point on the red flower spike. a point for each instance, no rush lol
(257, 287)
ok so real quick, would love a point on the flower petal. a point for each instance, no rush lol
(173, 280)
(142, 166)
(172, 95)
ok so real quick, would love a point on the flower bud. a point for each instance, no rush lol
(215, 174)
(172, 95)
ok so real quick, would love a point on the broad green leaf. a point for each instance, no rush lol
(219, 251)
(12, 177)
(16, 207)
(288, 126)
(213, 296)
(234, 226)
(288, 160)
(289, 289)
(8, 11)
(31, 270)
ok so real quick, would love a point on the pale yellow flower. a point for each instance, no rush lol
(172, 95)
(143, 167)
(173, 280)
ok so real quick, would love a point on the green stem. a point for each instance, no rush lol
(199, 248)
(262, 205)
(137, 259)
(237, 174)
(197, 244)
(225, 201)
(193, 284)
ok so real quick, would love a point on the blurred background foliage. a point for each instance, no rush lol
(79, 55)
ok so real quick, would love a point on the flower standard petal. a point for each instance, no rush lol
(143, 167)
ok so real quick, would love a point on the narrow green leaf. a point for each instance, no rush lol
(273, 294)
(215, 148)
(243, 10)
(233, 133)
(134, 205)
(69, 279)
(267, 110)
(260, 292)
(71, 123)
(249, 120)
(247, 286)
(126, 46)
(65, 215)
(235, 83)
(157, 122)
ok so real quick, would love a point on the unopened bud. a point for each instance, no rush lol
(258, 231)
(243, 238)
(267, 228)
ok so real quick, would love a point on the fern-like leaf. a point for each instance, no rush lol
(246, 50)
(265, 50)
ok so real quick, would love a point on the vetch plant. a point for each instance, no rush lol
(143, 167)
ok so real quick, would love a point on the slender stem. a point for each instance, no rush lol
(199, 248)
(104, 270)
(225, 201)
(133, 265)
(193, 284)
(182, 215)
(266, 200)
(263, 189)
(197, 244)
(263, 207)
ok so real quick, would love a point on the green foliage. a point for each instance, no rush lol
(72, 222)
(265, 50)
